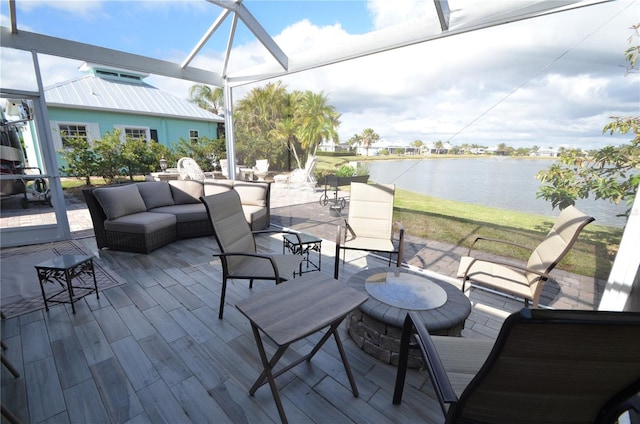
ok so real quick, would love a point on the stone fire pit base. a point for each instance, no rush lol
(376, 327)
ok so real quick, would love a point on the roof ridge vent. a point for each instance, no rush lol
(107, 72)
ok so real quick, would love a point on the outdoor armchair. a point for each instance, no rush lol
(238, 252)
(369, 225)
(526, 281)
(546, 366)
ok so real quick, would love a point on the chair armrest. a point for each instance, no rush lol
(223, 256)
(544, 275)
(432, 362)
(497, 241)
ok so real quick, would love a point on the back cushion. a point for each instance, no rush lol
(252, 193)
(212, 187)
(120, 201)
(186, 191)
(155, 194)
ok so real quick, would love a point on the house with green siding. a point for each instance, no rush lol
(108, 99)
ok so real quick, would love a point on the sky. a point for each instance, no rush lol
(549, 82)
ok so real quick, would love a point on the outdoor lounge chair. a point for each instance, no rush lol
(369, 225)
(546, 366)
(238, 252)
(526, 282)
(190, 170)
(261, 169)
(301, 177)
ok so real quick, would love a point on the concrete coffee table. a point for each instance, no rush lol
(377, 325)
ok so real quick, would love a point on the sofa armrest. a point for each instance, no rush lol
(248, 191)
(97, 216)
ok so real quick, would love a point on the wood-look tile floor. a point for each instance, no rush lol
(153, 350)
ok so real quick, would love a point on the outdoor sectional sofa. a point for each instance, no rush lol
(142, 217)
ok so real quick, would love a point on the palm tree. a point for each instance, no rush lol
(316, 121)
(438, 145)
(286, 129)
(264, 117)
(369, 136)
(207, 98)
(356, 139)
(284, 123)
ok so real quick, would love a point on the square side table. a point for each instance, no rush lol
(293, 310)
(303, 244)
(63, 270)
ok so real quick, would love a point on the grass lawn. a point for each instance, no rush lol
(460, 223)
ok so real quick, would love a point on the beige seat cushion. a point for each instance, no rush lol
(496, 276)
(186, 191)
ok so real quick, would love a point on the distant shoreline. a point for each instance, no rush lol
(420, 157)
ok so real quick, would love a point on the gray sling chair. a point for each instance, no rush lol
(237, 244)
(369, 225)
(526, 282)
(546, 366)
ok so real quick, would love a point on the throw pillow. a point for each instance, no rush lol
(120, 200)
(155, 194)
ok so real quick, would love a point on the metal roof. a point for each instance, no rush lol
(96, 93)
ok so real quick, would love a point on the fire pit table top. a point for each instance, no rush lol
(395, 291)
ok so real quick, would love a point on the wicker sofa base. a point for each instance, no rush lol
(140, 243)
(191, 229)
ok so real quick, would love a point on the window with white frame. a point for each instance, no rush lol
(193, 136)
(70, 131)
(133, 132)
(136, 133)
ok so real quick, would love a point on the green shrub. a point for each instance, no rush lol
(346, 171)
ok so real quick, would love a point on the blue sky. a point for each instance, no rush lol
(550, 81)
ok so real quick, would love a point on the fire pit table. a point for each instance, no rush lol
(377, 325)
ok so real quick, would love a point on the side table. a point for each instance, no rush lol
(293, 310)
(303, 244)
(63, 270)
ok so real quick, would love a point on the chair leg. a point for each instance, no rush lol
(9, 415)
(9, 366)
(336, 265)
(402, 360)
(251, 283)
(222, 295)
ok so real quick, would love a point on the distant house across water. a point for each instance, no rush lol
(546, 152)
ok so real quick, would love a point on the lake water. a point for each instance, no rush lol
(504, 183)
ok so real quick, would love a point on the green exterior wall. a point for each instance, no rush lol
(170, 130)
